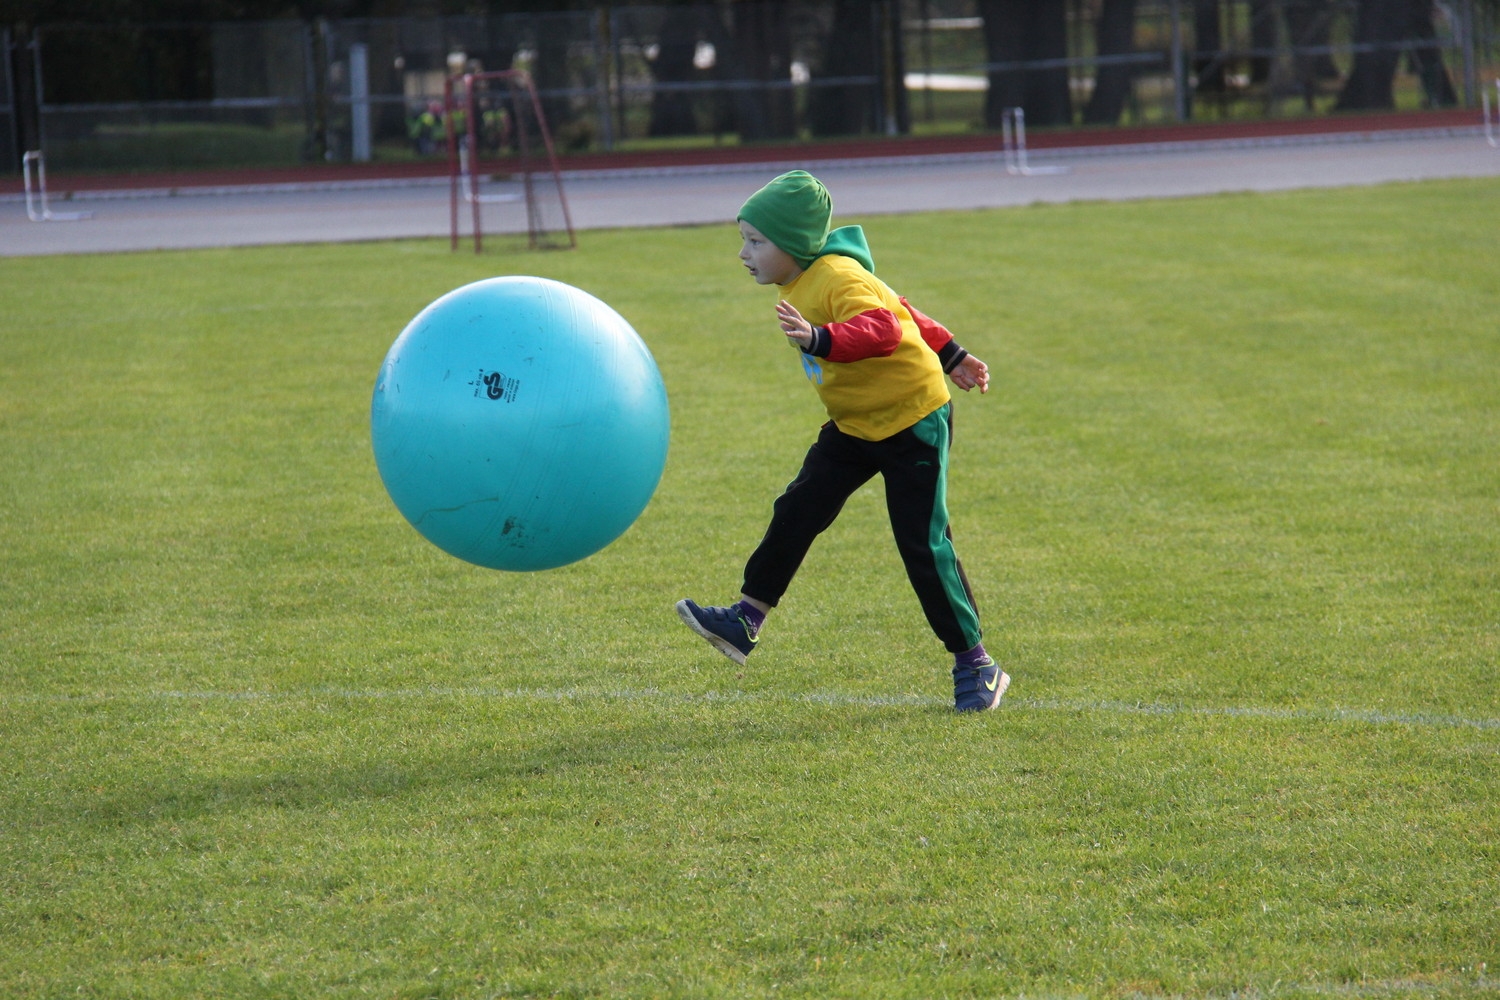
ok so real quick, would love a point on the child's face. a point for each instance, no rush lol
(768, 263)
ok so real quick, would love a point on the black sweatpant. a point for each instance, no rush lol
(914, 465)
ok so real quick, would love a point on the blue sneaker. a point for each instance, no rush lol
(978, 688)
(725, 629)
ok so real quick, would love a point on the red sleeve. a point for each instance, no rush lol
(935, 334)
(872, 334)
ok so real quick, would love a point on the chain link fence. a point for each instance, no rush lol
(173, 95)
(233, 94)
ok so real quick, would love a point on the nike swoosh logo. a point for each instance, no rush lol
(993, 682)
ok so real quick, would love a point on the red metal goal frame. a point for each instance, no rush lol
(521, 86)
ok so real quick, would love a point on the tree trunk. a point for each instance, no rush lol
(1115, 35)
(1427, 63)
(676, 45)
(757, 45)
(1310, 25)
(852, 48)
(893, 31)
(550, 72)
(1208, 48)
(1021, 31)
(1369, 87)
(1262, 39)
(27, 124)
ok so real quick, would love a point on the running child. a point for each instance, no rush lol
(878, 366)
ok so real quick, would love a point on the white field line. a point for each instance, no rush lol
(825, 698)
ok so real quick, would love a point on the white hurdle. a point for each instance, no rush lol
(46, 214)
(471, 185)
(1491, 132)
(1013, 142)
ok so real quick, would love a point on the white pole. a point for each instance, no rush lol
(1013, 139)
(359, 101)
(1013, 143)
(46, 214)
(1490, 131)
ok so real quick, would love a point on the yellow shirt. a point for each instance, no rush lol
(872, 398)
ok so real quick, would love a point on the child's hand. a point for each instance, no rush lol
(971, 372)
(793, 325)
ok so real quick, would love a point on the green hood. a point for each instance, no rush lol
(849, 241)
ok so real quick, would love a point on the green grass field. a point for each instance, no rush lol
(1231, 510)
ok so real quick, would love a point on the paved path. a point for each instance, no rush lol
(240, 215)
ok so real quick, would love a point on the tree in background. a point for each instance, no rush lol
(851, 49)
(1018, 31)
(1427, 62)
(1264, 24)
(1309, 25)
(1114, 34)
(753, 42)
(549, 71)
(672, 110)
(1208, 49)
(1379, 29)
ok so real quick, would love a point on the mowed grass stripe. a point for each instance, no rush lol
(581, 696)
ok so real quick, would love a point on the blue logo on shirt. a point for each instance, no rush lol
(813, 370)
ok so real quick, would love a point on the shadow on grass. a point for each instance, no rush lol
(493, 748)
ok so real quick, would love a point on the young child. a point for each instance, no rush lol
(878, 366)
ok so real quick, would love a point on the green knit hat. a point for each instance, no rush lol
(792, 212)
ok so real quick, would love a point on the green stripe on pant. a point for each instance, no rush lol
(914, 466)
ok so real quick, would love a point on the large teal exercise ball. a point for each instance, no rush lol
(519, 423)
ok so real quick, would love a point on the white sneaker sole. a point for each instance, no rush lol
(721, 645)
(1000, 687)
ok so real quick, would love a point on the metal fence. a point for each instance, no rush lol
(174, 95)
(608, 77)
(186, 95)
